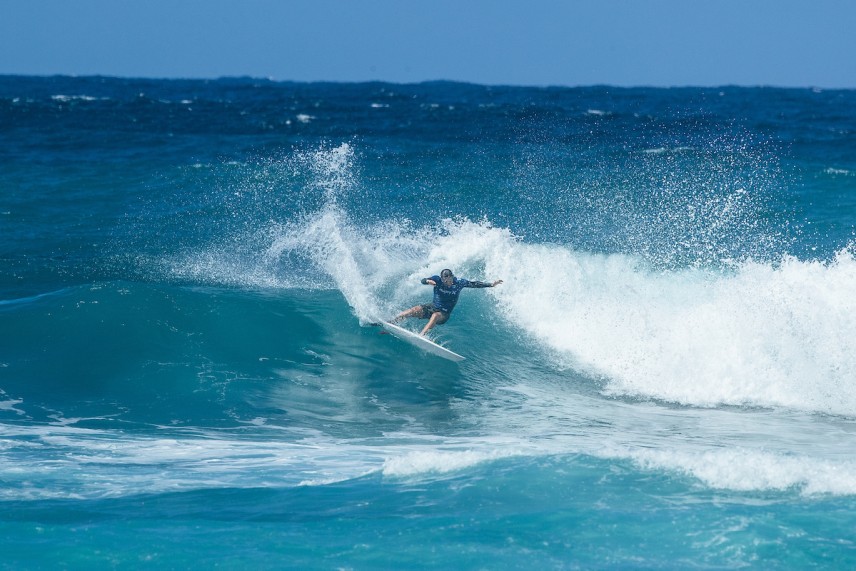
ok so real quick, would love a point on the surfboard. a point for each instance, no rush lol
(419, 341)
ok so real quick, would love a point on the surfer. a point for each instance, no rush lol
(447, 288)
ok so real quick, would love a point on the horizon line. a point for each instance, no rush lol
(272, 79)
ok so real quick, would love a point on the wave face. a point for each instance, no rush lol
(192, 271)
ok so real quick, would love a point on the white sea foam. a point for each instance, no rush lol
(752, 470)
(80, 463)
(441, 461)
(10, 404)
(759, 335)
(67, 98)
(84, 463)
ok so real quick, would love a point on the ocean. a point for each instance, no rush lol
(190, 376)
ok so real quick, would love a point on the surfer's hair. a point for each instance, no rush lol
(447, 273)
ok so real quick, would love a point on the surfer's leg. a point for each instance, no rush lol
(415, 311)
(436, 318)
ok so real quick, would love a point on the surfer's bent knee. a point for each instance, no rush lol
(441, 317)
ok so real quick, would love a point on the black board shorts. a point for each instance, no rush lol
(428, 310)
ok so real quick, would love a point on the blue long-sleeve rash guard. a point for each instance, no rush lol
(445, 297)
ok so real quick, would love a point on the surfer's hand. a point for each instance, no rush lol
(496, 283)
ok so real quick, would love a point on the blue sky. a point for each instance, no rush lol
(808, 43)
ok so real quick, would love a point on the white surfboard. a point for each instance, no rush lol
(420, 341)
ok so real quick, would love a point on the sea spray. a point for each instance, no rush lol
(751, 333)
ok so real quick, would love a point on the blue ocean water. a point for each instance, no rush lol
(189, 376)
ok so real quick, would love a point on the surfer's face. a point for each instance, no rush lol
(448, 280)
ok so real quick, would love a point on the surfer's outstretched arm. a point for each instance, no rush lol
(478, 284)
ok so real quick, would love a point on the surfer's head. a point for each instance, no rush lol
(447, 276)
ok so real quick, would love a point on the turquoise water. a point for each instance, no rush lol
(189, 376)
